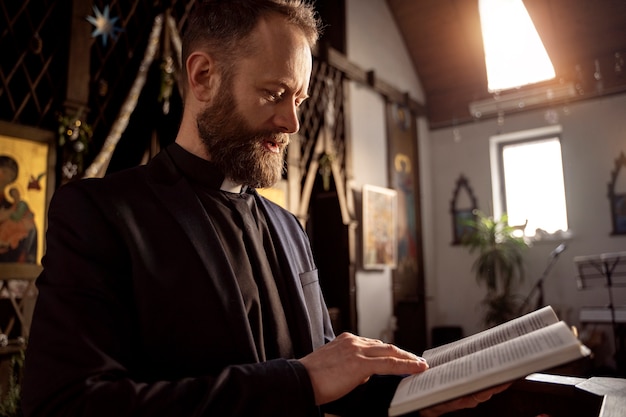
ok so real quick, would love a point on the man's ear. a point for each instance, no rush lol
(202, 76)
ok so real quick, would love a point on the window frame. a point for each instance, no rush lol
(496, 146)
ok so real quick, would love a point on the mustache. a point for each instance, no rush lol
(280, 138)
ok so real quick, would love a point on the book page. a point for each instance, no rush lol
(521, 325)
(542, 349)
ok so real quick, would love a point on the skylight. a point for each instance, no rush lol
(514, 53)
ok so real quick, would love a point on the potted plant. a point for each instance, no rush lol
(499, 265)
(10, 386)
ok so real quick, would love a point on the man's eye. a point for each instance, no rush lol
(274, 96)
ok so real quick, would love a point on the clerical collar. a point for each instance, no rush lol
(201, 171)
(232, 187)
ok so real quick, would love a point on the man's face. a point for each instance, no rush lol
(246, 127)
(237, 149)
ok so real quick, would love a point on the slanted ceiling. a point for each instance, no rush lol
(445, 44)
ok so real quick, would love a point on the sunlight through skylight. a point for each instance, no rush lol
(514, 53)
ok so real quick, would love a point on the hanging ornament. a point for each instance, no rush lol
(105, 26)
(619, 64)
(598, 76)
(74, 138)
(456, 135)
(551, 116)
(167, 83)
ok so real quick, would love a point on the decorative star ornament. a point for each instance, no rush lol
(105, 26)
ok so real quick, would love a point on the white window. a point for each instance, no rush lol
(527, 179)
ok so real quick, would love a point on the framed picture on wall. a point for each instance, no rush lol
(619, 214)
(462, 208)
(380, 219)
(617, 196)
(27, 160)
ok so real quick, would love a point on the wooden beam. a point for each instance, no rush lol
(355, 73)
(77, 93)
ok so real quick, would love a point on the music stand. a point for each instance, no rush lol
(539, 284)
(609, 270)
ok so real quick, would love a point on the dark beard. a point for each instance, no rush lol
(237, 150)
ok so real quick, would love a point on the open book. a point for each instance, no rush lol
(531, 343)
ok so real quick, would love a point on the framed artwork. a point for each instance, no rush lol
(380, 219)
(462, 206)
(27, 160)
(617, 198)
(408, 278)
(461, 227)
(619, 214)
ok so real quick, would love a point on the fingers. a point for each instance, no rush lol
(482, 396)
(469, 401)
(341, 365)
(485, 395)
(385, 358)
(378, 348)
(373, 348)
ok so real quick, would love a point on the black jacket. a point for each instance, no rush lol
(139, 314)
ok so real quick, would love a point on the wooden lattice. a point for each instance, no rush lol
(323, 110)
(33, 39)
(34, 36)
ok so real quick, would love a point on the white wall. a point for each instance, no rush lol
(594, 134)
(374, 43)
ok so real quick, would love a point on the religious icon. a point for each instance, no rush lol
(23, 192)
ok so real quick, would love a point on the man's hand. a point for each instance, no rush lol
(340, 366)
(469, 401)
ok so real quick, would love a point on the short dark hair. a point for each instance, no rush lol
(221, 26)
(8, 162)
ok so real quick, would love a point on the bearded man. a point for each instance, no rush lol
(174, 289)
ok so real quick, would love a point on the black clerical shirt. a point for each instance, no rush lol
(248, 246)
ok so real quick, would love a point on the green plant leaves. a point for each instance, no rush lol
(499, 263)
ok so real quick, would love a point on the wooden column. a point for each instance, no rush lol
(77, 94)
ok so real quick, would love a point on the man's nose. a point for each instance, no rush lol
(286, 117)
